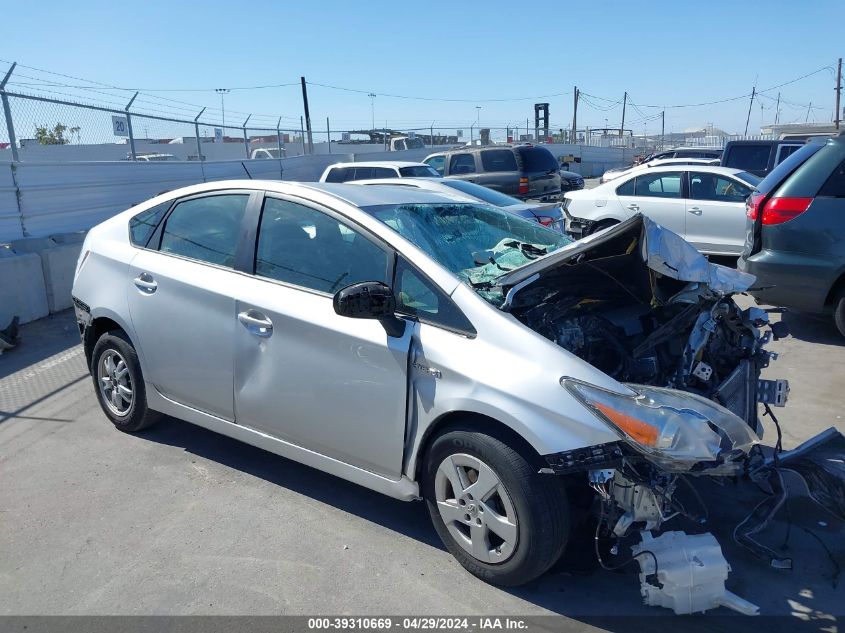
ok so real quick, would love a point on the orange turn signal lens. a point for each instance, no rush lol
(638, 430)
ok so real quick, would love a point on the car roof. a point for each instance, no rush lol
(432, 184)
(713, 169)
(697, 148)
(364, 196)
(378, 163)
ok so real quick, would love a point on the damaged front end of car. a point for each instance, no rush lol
(642, 305)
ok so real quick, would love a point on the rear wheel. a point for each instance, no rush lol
(839, 311)
(599, 226)
(119, 383)
(500, 519)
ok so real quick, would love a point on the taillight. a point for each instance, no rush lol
(779, 210)
(523, 185)
(544, 220)
(752, 205)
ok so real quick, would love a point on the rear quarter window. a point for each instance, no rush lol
(338, 174)
(813, 175)
(834, 187)
(143, 225)
(779, 173)
(626, 188)
(537, 159)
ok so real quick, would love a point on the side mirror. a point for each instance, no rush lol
(365, 300)
(370, 300)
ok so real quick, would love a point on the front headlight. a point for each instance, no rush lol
(675, 428)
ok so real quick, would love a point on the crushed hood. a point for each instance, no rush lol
(661, 250)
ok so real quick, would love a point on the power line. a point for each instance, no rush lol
(414, 98)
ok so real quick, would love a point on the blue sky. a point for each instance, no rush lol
(662, 53)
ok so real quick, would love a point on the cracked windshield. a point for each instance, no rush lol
(476, 242)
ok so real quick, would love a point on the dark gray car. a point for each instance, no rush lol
(758, 157)
(795, 242)
(522, 171)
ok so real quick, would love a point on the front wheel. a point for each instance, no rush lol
(501, 519)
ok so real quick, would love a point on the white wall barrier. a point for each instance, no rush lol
(64, 199)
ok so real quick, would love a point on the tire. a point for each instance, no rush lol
(534, 507)
(839, 312)
(114, 362)
(599, 226)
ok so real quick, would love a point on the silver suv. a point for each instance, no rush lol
(429, 348)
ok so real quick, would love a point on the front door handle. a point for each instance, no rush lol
(634, 207)
(695, 210)
(256, 323)
(145, 283)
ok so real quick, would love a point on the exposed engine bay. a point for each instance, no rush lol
(637, 325)
(643, 306)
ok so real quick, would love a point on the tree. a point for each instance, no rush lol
(56, 136)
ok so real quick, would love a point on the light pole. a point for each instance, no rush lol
(477, 114)
(221, 92)
(372, 97)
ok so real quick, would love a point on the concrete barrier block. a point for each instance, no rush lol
(22, 290)
(76, 237)
(31, 244)
(59, 264)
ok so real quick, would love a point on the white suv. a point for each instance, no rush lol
(367, 170)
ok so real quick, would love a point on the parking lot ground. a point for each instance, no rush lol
(179, 520)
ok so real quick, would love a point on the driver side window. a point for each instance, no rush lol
(306, 247)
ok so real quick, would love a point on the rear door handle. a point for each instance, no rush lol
(145, 283)
(695, 210)
(256, 323)
(634, 207)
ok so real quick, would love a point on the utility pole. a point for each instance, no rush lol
(575, 117)
(838, 118)
(777, 110)
(662, 128)
(809, 107)
(751, 103)
(307, 116)
(624, 103)
(372, 97)
(222, 92)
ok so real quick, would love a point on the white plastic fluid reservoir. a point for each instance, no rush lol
(691, 572)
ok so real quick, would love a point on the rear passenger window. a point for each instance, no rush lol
(206, 228)
(383, 172)
(363, 173)
(462, 164)
(338, 174)
(662, 185)
(143, 225)
(305, 247)
(786, 150)
(498, 160)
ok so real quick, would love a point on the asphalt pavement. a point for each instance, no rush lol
(178, 520)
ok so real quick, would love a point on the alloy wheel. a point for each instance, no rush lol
(476, 508)
(115, 383)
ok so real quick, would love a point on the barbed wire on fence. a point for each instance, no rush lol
(44, 110)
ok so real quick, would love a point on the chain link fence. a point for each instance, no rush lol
(46, 124)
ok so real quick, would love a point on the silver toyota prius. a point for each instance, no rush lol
(429, 348)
